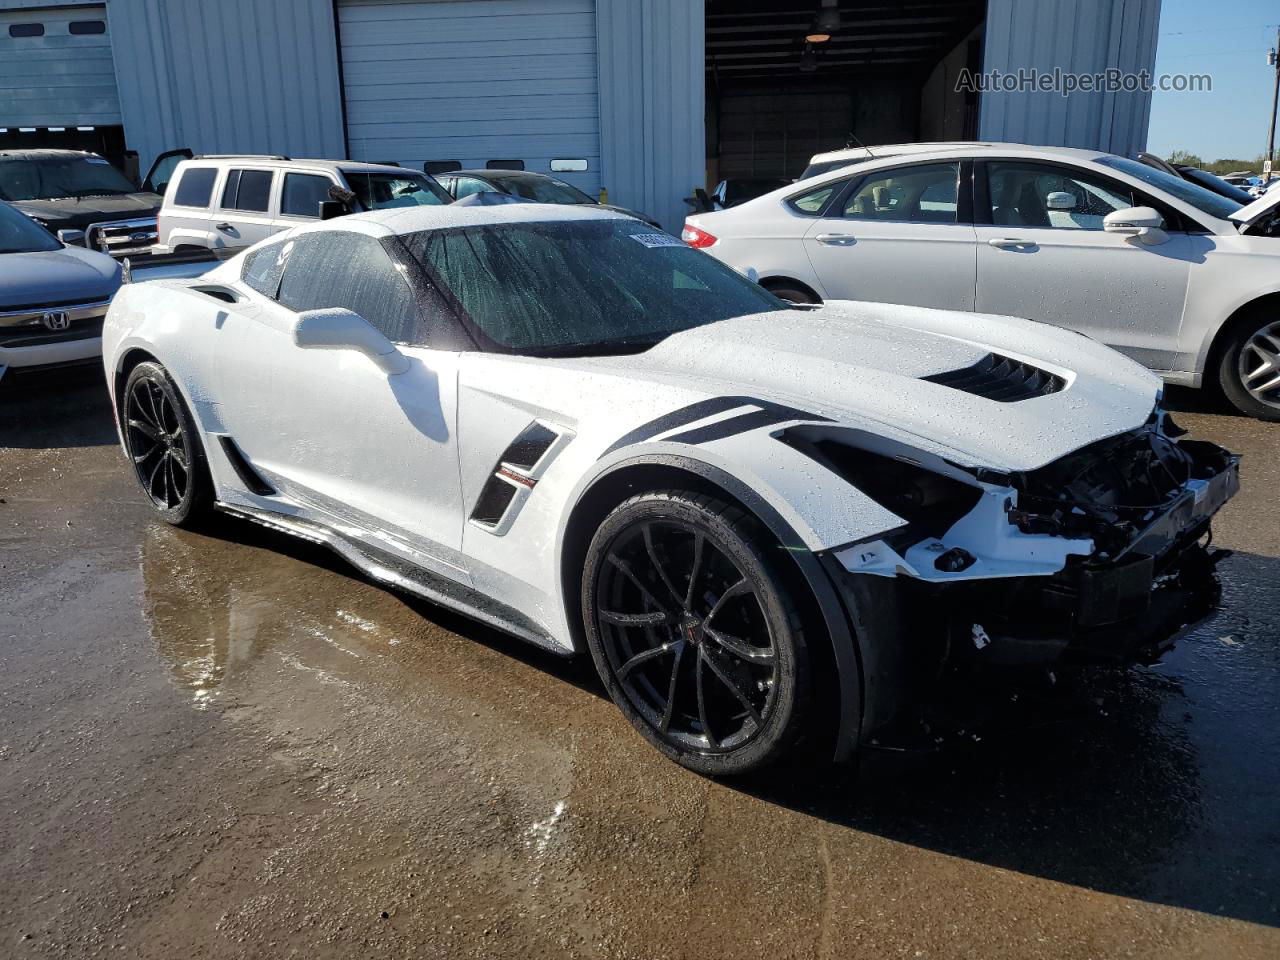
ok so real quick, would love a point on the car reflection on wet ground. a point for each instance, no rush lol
(227, 744)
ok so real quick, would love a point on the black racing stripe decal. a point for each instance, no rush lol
(770, 414)
(678, 418)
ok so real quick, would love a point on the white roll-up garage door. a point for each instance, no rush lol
(56, 68)
(472, 81)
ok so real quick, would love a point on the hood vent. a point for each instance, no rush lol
(1002, 379)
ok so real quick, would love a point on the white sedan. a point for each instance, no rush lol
(763, 522)
(1182, 280)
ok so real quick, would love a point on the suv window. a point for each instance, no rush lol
(248, 190)
(334, 268)
(195, 185)
(263, 267)
(302, 193)
(921, 194)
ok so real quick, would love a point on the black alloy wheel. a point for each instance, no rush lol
(160, 439)
(693, 633)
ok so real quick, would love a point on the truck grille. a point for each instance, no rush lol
(122, 238)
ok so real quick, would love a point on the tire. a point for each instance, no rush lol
(163, 445)
(715, 678)
(792, 294)
(1252, 345)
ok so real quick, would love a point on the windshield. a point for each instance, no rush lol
(20, 234)
(1204, 200)
(378, 191)
(55, 177)
(581, 287)
(544, 190)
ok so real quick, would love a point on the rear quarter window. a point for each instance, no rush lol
(195, 187)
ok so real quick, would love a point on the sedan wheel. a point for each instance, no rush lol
(692, 633)
(160, 438)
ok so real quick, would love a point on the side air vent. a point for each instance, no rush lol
(495, 497)
(515, 475)
(527, 449)
(1002, 379)
(248, 476)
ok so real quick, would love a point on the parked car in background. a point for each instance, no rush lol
(52, 296)
(821, 163)
(730, 193)
(1182, 279)
(1200, 177)
(527, 185)
(225, 203)
(73, 190)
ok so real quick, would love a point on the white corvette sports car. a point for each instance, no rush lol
(763, 521)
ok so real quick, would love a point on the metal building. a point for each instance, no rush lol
(659, 97)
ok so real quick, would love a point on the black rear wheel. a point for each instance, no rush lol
(161, 440)
(693, 632)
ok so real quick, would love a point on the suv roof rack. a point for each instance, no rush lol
(240, 156)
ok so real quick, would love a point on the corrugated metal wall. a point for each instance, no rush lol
(1082, 36)
(652, 103)
(59, 78)
(257, 76)
(472, 81)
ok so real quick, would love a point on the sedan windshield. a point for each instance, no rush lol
(1204, 200)
(544, 190)
(57, 177)
(581, 287)
(20, 234)
(378, 191)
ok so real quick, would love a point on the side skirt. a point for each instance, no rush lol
(394, 572)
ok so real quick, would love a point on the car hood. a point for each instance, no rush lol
(73, 213)
(864, 364)
(69, 275)
(1252, 212)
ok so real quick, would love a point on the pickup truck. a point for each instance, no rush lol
(85, 201)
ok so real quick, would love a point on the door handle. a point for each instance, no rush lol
(224, 227)
(836, 239)
(1007, 243)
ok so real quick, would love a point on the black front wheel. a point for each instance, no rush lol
(161, 440)
(693, 632)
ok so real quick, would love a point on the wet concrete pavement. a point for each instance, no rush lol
(226, 744)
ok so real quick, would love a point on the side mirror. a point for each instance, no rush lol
(332, 208)
(1142, 222)
(337, 329)
(72, 238)
(1060, 200)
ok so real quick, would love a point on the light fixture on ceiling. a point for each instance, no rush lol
(816, 36)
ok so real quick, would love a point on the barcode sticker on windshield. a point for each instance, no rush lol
(657, 240)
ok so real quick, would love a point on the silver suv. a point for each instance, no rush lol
(226, 203)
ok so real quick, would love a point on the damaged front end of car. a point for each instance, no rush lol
(1102, 556)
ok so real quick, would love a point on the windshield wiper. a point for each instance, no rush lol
(601, 348)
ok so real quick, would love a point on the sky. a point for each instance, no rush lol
(1228, 41)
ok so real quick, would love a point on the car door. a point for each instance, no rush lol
(902, 235)
(244, 213)
(328, 428)
(1043, 254)
(162, 168)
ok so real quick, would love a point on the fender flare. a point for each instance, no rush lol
(830, 605)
